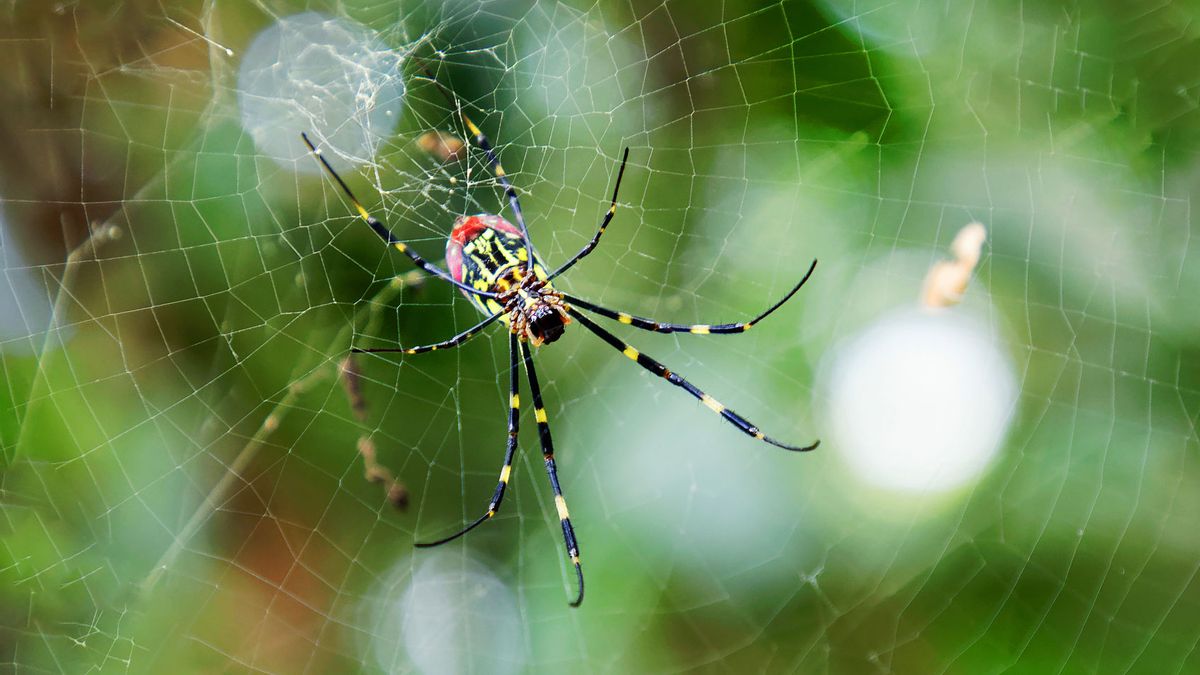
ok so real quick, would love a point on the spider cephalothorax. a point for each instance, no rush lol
(494, 264)
(536, 312)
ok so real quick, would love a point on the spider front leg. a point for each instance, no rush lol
(539, 412)
(698, 329)
(493, 160)
(498, 170)
(445, 344)
(612, 210)
(384, 233)
(514, 416)
(662, 371)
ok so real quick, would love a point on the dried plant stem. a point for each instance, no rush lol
(369, 311)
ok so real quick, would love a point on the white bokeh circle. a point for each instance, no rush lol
(329, 77)
(450, 615)
(919, 402)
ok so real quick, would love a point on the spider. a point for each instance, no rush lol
(496, 267)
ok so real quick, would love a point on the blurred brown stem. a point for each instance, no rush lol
(370, 310)
(374, 472)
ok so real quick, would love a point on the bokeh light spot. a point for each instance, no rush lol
(454, 616)
(25, 304)
(920, 402)
(329, 77)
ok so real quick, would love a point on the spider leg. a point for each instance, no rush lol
(386, 234)
(612, 210)
(514, 417)
(699, 329)
(662, 371)
(539, 412)
(445, 344)
(493, 160)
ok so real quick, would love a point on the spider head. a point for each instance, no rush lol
(546, 324)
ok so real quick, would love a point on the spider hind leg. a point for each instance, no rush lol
(560, 503)
(514, 417)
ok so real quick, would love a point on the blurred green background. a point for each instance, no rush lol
(181, 489)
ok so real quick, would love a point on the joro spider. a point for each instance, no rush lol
(496, 267)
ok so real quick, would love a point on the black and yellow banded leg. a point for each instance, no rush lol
(662, 371)
(386, 234)
(698, 329)
(514, 417)
(612, 210)
(494, 161)
(543, 423)
(445, 344)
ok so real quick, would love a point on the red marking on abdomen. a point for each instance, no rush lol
(466, 228)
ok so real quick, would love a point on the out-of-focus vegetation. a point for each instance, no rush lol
(180, 486)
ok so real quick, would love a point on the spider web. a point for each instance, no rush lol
(183, 481)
